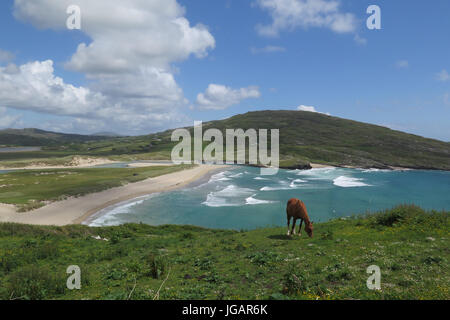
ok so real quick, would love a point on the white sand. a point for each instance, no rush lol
(317, 165)
(76, 210)
(149, 164)
(77, 162)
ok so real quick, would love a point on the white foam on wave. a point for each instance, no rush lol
(296, 183)
(232, 195)
(221, 176)
(237, 175)
(375, 170)
(253, 201)
(267, 188)
(108, 216)
(260, 178)
(285, 185)
(315, 172)
(348, 182)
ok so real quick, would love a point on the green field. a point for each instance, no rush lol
(30, 189)
(410, 246)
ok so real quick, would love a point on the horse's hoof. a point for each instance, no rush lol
(288, 233)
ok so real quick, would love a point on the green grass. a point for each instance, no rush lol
(31, 189)
(410, 246)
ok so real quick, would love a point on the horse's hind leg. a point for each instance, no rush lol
(288, 223)
(293, 226)
(300, 228)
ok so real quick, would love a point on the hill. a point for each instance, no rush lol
(133, 261)
(36, 137)
(319, 138)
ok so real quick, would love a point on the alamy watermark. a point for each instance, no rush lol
(73, 22)
(74, 280)
(374, 281)
(235, 152)
(374, 21)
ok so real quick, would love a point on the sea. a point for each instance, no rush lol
(240, 198)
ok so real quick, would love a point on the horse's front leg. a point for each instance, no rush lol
(293, 226)
(288, 223)
(300, 228)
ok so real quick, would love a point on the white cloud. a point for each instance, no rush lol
(267, 49)
(402, 64)
(292, 14)
(309, 109)
(217, 97)
(34, 87)
(6, 56)
(360, 40)
(129, 61)
(7, 121)
(443, 76)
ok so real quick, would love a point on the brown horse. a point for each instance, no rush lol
(296, 209)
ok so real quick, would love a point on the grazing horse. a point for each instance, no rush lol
(296, 209)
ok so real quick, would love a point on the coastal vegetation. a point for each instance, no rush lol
(31, 189)
(137, 261)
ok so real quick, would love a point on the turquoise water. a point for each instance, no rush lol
(242, 199)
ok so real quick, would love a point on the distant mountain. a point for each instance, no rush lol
(37, 137)
(107, 134)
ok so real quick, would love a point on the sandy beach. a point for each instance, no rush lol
(318, 165)
(76, 210)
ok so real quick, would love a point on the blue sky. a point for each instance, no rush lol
(222, 64)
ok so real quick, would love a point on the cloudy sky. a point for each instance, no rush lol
(140, 66)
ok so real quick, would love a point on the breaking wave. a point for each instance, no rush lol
(348, 182)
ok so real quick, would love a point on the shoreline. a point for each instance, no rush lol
(77, 210)
(197, 182)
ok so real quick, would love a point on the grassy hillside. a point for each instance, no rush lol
(314, 137)
(36, 137)
(410, 246)
(304, 137)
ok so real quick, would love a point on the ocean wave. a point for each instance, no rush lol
(260, 178)
(375, 170)
(315, 172)
(253, 201)
(267, 188)
(296, 183)
(348, 182)
(237, 175)
(108, 216)
(221, 176)
(231, 196)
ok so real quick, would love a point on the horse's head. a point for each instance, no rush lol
(309, 229)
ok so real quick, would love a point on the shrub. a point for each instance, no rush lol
(35, 283)
(294, 282)
(263, 257)
(327, 235)
(157, 265)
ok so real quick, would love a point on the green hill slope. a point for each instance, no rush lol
(36, 137)
(314, 137)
